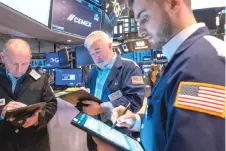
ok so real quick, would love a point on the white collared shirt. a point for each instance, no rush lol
(173, 44)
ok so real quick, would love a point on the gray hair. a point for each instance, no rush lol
(16, 42)
(96, 35)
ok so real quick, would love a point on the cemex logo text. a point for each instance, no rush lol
(80, 21)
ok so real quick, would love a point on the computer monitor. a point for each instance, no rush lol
(52, 60)
(68, 77)
(63, 58)
(82, 56)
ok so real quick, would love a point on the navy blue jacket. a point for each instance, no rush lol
(119, 78)
(200, 58)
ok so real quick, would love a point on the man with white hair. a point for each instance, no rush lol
(114, 80)
(21, 86)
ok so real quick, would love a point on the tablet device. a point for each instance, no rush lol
(27, 110)
(77, 97)
(104, 132)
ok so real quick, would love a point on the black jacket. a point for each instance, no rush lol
(28, 91)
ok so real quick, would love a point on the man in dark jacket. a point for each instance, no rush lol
(21, 86)
(114, 80)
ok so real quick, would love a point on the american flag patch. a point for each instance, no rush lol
(201, 97)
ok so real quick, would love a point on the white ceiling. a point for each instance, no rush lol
(17, 24)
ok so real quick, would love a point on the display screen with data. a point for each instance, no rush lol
(76, 17)
(103, 131)
(68, 77)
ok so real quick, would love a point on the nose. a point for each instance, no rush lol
(142, 31)
(19, 69)
(96, 56)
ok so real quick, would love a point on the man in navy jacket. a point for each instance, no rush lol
(186, 109)
(114, 80)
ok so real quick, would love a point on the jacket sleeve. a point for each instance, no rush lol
(51, 105)
(132, 93)
(192, 129)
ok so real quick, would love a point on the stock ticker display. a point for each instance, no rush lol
(76, 17)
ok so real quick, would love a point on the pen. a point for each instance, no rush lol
(127, 107)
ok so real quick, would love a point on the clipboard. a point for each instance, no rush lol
(27, 110)
(104, 132)
(77, 97)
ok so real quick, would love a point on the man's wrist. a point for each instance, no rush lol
(101, 110)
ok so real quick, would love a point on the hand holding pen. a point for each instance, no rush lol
(123, 117)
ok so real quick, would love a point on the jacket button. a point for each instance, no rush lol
(16, 131)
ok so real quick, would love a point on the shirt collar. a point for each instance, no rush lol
(110, 65)
(173, 44)
(11, 77)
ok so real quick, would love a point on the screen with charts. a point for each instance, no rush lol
(76, 17)
(68, 77)
(105, 132)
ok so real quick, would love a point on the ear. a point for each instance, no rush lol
(110, 46)
(172, 6)
(2, 57)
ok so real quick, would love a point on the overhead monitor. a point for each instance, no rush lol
(68, 77)
(75, 17)
(107, 25)
(113, 9)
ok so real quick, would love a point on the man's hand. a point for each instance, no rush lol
(101, 146)
(33, 120)
(127, 120)
(93, 108)
(12, 105)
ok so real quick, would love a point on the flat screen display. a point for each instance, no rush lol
(104, 131)
(128, 55)
(63, 57)
(68, 77)
(75, 17)
(107, 25)
(52, 60)
(82, 56)
(140, 55)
